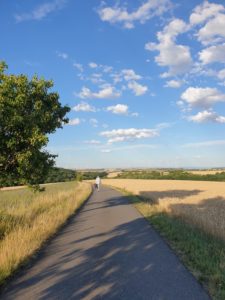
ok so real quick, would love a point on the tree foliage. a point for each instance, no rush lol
(172, 175)
(29, 111)
(90, 175)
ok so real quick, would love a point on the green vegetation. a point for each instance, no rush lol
(201, 253)
(171, 175)
(54, 175)
(29, 112)
(28, 219)
(60, 175)
(91, 175)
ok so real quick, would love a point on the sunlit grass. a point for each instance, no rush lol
(28, 219)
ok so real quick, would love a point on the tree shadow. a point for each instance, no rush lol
(155, 196)
(128, 262)
(207, 214)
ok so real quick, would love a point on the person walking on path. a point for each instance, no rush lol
(97, 182)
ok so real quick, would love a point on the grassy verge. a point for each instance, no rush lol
(27, 220)
(203, 255)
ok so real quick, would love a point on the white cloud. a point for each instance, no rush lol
(202, 97)
(93, 122)
(97, 78)
(205, 11)
(137, 88)
(107, 92)
(207, 116)
(116, 77)
(62, 55)
(130, 74)
(92, 142)
(221, 74)
(174, 84)
(119, 109)
(176, 57)
(121, 135)
(93, 65)
(213, 54)
(212, 17)
(41, 11)
(79, 67)
(213, 31)
(125, 74)
(83, 106)
(146, 11)
(74, 122)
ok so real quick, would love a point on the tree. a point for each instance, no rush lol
(28, 113)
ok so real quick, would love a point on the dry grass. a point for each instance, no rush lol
(198, 203)
(27, 220)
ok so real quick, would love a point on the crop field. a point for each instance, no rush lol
(198, 203)
(28, 219)
(206, 172)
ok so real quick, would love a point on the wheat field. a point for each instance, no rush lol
(206, 172)
(198, 203)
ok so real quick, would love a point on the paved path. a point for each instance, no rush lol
(108, 251)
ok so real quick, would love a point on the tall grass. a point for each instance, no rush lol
(27, 220)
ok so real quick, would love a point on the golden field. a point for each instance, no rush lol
(206, 172)
(28, 219)
(113, 174)
(199, 203)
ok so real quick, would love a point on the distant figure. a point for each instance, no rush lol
(97, 182)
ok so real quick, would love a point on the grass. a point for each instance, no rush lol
(27, 220)
(203, 254)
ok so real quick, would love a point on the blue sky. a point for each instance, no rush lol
(145, 79)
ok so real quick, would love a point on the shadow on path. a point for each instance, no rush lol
(94, 259)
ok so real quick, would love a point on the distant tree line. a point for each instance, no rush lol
(90, 175)
(54, 175)
(171, 175)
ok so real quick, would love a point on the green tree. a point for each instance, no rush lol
(29, 111)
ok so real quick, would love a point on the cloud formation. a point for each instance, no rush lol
(202, 97)
(106, 92)
(146, 11)
(207, 116)
(85, 107)
(174, 56)
(212, 16)
(74, 122)
(213, 54)
(137, 88)
(121, 135)
(119, 109)
(175, 84)
(41, 11)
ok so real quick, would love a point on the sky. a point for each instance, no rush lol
(145, 79)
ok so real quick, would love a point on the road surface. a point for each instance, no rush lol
(107, 251)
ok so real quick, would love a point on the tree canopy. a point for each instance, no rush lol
(29, 111)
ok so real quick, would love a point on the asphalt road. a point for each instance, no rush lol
(108, 251)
